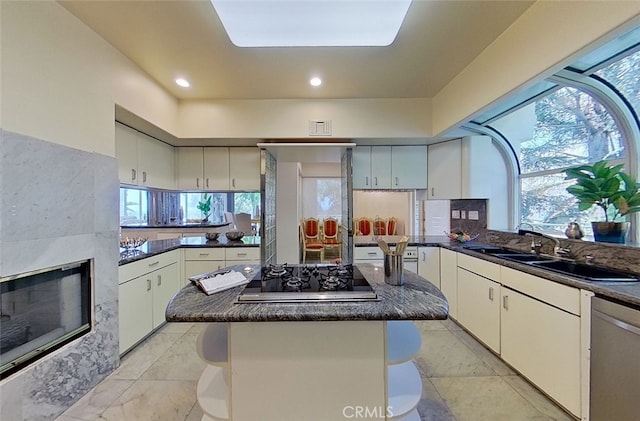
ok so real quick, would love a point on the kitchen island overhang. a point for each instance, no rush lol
(309, 360)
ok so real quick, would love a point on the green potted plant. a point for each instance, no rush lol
(204, 206)
(611, 189)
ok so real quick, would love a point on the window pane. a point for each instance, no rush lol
(191, 214)
(134, 208)
(623, 75)
(247, 203)
(571, 128)
(322, 198)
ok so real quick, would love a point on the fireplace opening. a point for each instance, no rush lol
(41, 311)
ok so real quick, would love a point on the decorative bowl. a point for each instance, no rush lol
(461, 237)
(130, 243)
(212, 236)
(234, 235)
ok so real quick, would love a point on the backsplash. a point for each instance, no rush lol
(60, 205)
(469, 215)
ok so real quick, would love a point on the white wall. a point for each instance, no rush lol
(288, 212)
(60, 81)
(385, 204)
(539, 43)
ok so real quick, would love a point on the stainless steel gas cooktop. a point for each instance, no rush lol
(302, 283)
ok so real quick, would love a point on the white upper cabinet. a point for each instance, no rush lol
(461, 168)
(408, 167)
(143, 160)
(389, 167)
(219, 168)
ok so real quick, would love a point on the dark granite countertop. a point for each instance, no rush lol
(626, 292)
(414, 240)
(154, 247)
(176, 226)
(417, 299)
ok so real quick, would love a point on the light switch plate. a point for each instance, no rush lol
(455, 214)
(473, 215)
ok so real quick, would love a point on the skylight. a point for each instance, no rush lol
(311, 23)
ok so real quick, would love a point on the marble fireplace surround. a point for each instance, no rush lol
(60, 205)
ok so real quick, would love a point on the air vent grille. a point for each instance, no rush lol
(320, 128)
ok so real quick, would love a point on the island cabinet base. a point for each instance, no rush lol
(307, 370)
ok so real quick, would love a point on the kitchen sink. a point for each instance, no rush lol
(526, 258)
(590, 272)
(493, 250)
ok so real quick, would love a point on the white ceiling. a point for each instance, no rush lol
(185, 38)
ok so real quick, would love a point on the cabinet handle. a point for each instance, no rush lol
(159, 280)
(197, 181)
(133, 174)
(490, 293)
(376, 180)
(241, 254)
(204, 254)
(505, 302)
(157, 262)
(366, 180)
(207, 182)
(144, 176)
(424, 256)
(396, 181)
(372, 253)
(148, 284)
(233, 183)
(432, 194)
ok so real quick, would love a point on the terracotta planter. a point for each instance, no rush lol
(610, 232)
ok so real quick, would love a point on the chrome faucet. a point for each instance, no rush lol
(536, 246)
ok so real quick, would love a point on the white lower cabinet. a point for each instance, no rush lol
(429, 264)
(242, 256)
(368, 255)
(449, 279)
(144, 290)
(479, 307)
(543, 343)
(202, 260)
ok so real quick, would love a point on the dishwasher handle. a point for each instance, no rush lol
(617, 322)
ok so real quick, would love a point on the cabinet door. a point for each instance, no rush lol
(244, 169)
(381, 167)
(127, 154)
(216, 168)
(198, 267)
(362, 167)
(449, 279)
(190, 168)
(543, 343)
(479, 307)
(409, 167)
(444, 170)
(155, 163)
(429, 264)
(135, 307)
(166, 282)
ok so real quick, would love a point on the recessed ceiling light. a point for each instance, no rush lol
(311, 23)
(315, 81)
(182, 82)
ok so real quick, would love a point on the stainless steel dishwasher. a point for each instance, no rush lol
(615, 361)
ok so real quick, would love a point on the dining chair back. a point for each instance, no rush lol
(363, 226)
(310, 245)
(243, 223)
(311, 228)
(331, 236)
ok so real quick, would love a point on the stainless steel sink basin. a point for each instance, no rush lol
(588, 272)
(525, 258)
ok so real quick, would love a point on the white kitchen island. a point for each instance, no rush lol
(311, 361)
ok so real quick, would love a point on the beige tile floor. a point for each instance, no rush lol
(462, 381)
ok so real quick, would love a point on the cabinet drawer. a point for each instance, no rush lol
(479, 266)
(209, 253)
(368, 253)
(141, 267)
(242, 254)
(558, 295)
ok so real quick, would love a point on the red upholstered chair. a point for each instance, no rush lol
(310, 245)
(363, 226)
(331, 235)
(311, 228)
(392, 224)
(379, 227)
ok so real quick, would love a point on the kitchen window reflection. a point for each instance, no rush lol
(134, 206)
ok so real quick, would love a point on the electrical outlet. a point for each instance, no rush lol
(473, 215)
(455, 214)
